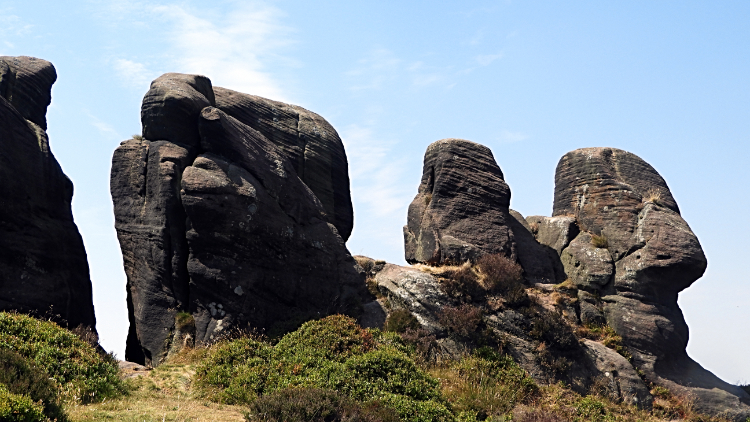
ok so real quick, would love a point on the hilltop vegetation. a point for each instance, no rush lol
(44, 368)
(327, 370)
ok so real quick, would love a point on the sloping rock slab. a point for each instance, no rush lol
(624, 384)
(416, 291)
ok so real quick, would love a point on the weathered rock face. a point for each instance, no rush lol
(308, 141)
(461, 213)
(649, 257)
(589, 267)
(42, 258)
(461, 209)
(616, 236)
(214, 221)
(539, 262)
(423, 295)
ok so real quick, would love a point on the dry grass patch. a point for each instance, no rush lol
(653, 195)
(163, 394)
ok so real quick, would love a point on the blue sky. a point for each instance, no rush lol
(532, 80)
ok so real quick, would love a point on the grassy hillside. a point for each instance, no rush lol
(328, 370)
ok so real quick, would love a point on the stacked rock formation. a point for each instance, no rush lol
(616, 235)
(637, 253)
(230, 209)
(43, 267)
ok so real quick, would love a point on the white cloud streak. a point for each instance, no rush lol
(239, 48)
(486, 59)
(508, 137)
(12, 26)
(133, 74)
(107, 130)
(373, 169)
(234, 49)
(381, 67)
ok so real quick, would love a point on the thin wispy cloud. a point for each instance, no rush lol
(12, 25)
(487, 59)
(133, 74)
(380, 68)
(375, 70)
(374, 170)
(508, 137)
(107, 130)
(238, 45)
(233, 49)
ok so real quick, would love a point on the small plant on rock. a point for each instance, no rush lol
(599, 241)
(653, 195)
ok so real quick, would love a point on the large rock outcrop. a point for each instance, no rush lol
(216, 225)
(43, 266)
(637, 252)
(616, 239)
(461, 208)
(461, 212)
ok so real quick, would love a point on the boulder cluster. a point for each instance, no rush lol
(616, 241)
(232, 212)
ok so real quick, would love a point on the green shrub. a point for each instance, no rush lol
(81, 373)
(184, 321)
(329, 354)
(591, 409)
(401, 320)
(385, 370)
(488, 384)
(336, 337)
(412, 410)
(20, 408)
(20, 376)
(235, 371)
(316, 405)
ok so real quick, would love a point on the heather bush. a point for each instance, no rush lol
(333, 353)
(20, 376)
(78, 370)
(401, 320)
(462, 321)
(461, 282)
(499, 273)
(19, 407)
